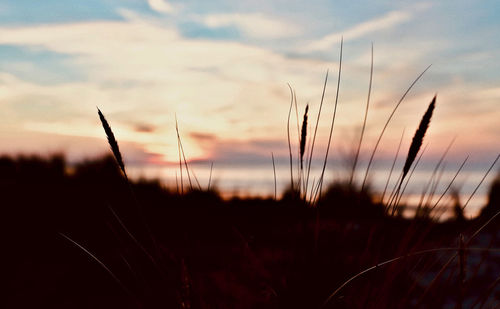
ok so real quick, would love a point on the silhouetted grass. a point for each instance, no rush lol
(76, 240)
(212, 249)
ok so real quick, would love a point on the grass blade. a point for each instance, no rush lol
(386, 124)
(316, 130)
(98, 261)
(392, 167)
(274, 172)
(484, 177)
(320, 180)
(288, 136)
(364, 121)
(210, 177)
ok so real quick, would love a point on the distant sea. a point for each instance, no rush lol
(258, 180)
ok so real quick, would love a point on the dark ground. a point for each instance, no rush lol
(196, 250)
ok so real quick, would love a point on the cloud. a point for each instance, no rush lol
(488, 94)
(203, 137)
(75, 148)
(162, 6)
(387, 21)
(254, 25)
(144, 128)
(244, 152)
(140, 71)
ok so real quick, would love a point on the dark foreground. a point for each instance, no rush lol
(160, 249)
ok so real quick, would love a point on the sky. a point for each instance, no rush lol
(222, 68)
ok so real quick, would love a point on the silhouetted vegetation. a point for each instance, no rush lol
(197, 250)
(87, 236)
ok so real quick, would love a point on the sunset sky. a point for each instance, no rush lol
(223, 66)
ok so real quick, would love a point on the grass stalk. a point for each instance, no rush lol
(115, 278)
(450, 183)
(435, 185)
(481, 182)
(124, 227)
(392, 167)
(288, 136)
(421, 252)
(210, 176)
(181, 153)
(316, 131)
(441, 271)
(396, 189)
(299, 173)
(274, 172)
(364, 121)
(320, 180)
(461, 280)
(386, 124)
(399, 194)
(426, 187)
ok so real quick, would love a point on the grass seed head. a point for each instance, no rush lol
(303, 137)
(418, 138)
(112, 142)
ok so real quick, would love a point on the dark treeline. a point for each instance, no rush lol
(162, 249)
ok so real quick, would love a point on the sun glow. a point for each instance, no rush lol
(226, 80)
(168, 153)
